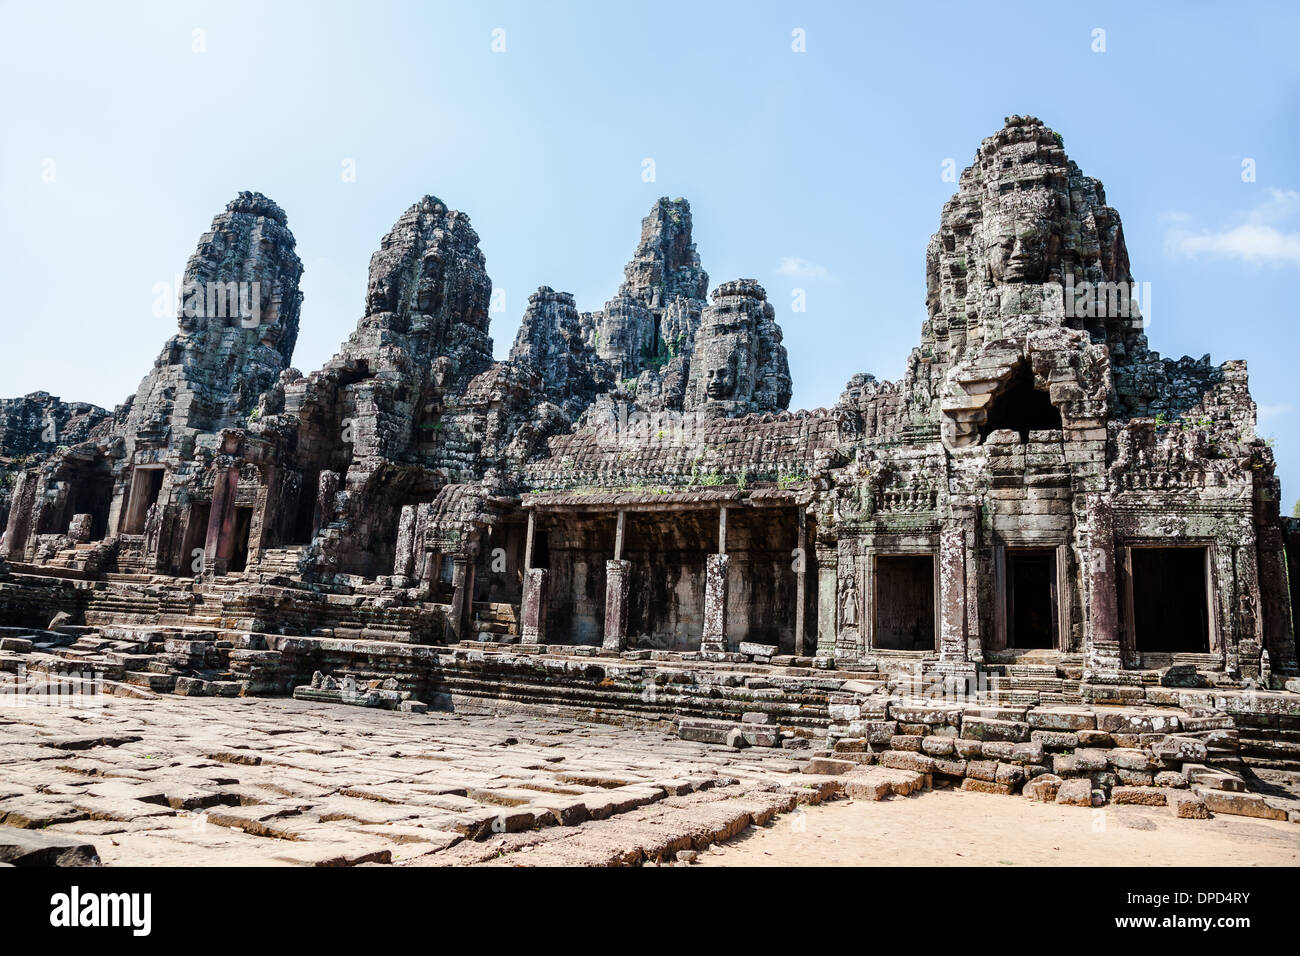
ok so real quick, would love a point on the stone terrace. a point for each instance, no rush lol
(282, 782)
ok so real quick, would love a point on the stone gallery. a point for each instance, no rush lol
(1043, 532)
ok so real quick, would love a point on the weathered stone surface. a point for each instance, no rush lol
(1043, 788)
(1180, 749)
(1076, 792)
(41, 848)
(1144, 796)
(1241, 804)
(989, 729)
(1187, 805)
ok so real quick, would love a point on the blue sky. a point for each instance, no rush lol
(119, 141)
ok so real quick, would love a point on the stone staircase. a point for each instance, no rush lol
(1038, 683)
(496, 622)
(279, 561)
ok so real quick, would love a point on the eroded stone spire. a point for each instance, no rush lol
(1025, 225)
(238, 320)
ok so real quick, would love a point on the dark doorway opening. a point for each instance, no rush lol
(304, 517)
(1031, 599)
(92, 495)
(904, 602)
(196, 536)
(1022, 408)
(239, 554)
(146, 484)
(1170, 600)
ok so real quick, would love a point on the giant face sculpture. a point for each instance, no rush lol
(1021, 246)
(721, 379)
(737, 354)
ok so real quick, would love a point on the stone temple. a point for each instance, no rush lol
(625, 519)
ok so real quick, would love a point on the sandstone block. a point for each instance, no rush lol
(904, 760)
(988, 728)
(1043, 787)
(1076, 792)
(1143, 796)
(986, 786)
(1187, 805)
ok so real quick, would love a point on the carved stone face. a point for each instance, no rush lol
(721, 381)
(1023, 249)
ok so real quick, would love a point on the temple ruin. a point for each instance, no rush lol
(1042, 511)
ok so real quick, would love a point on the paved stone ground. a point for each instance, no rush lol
(192, 781)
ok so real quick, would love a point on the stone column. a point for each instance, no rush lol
(1250, 633)
(404, 562)
(800, 582)
(18, 528)
(219, 544)
(828, 600)
(952, 595)
(1279, 638)
(533, 611)
(461, 598)
(528, 540)
(617, 579)
(1102, 642)
(714, 638)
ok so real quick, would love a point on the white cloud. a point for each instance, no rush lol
(1273, 411)
(1257, 240)
(801, 268)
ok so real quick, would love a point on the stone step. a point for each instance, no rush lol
(1037, 671)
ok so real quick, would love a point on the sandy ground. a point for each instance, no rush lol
(956, 828)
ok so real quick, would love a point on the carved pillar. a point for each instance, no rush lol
(19, 525)
(714, 638)
(1249, 630)
(952, 595)
(800, 582)
(617, 578)
(1102, 648)
(828, 615)
(404, 563)
(533, 612)
(220, 545)
(528, 540)
(1279, 638)
(462, 580)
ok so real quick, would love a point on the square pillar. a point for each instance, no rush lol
(461, 597)
(828, 612)
(1275, 608)
(714, 638)
(404, 562)
(617, 577)
(1102, 647)
(952, 595)
(533, 612)
(218, 544)
(1249, 629)
(800, 582)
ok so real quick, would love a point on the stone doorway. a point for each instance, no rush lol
(1170, 599)
(1031, 598)
(146, 485)
(904, 603)
(239, 550)
(303, 523)
(196, 535)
